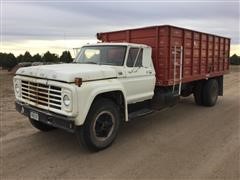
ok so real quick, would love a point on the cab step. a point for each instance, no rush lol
(139, 113)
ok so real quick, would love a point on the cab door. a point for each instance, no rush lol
(139, 81)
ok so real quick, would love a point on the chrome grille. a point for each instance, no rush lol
(42, 94)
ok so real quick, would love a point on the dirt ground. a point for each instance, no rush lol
(182, 142)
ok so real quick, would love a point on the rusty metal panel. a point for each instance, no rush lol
(203, 54)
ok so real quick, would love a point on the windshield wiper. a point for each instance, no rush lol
(90, 62)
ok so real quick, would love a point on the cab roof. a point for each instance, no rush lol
(118, 44)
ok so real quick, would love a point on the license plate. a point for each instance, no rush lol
(34, 115)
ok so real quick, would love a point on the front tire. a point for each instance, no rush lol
(41, 126)
(101, 126)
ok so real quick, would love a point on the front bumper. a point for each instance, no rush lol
(46, 117)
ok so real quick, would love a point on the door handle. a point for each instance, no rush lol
(120, 73)
(149, 71)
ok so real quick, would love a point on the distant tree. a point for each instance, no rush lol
(37, 58)
(66, 57)
(12, 60)
(27, 57)
(20, 58)
(49, 57)
(7, 61)
(235, 60)
(2, 59)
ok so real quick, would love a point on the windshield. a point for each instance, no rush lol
(103, 55)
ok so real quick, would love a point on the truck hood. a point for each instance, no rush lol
(68, 72)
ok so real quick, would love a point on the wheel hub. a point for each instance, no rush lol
(103, 125)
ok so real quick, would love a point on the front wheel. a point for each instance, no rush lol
(101, 126)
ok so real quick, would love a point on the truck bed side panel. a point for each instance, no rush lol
(204, 55)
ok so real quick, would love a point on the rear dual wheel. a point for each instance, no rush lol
(206, 93)
(210, 92)
(198, 93)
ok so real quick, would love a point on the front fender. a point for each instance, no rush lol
(89, 90)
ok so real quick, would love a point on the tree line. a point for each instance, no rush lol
(8, 60)
(235, 60)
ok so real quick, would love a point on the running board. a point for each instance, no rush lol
(139, 113)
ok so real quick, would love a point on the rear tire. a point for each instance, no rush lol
(210, 92)
(41, 126)
(101, 125)
(198, 93)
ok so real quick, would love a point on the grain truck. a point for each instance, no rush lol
(128, 74)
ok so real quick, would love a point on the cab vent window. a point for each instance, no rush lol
(132, 57)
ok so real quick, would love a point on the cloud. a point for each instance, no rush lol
(52, 21)
(30, 21)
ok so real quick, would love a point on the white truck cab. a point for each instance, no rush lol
(92, 95)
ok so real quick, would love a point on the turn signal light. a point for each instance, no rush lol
(78, 81)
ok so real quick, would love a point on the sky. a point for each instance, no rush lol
(57, 25)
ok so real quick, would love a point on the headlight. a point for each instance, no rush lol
(17, 88)
(66, 100)
(17, 85)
